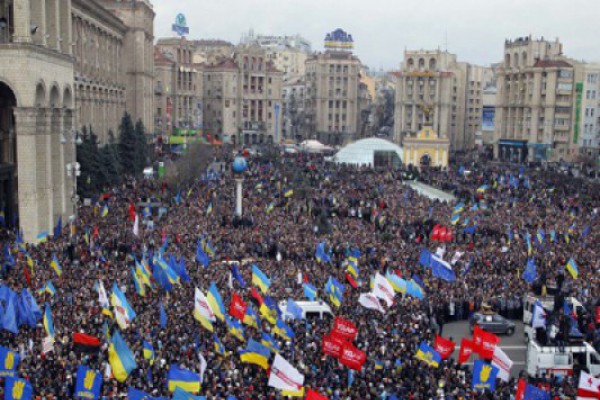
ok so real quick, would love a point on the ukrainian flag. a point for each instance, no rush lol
(428, 355)
(235, 328)
(270, 207)
(42, 237)
(142, 274)
(104, 211)
(335, 291)
(183, 379)
(219, 348)
(572, 268)
(120, 358)
(260, 279)
(216, 302)
(353, 266)
(148, 352)
(397, 283)
(48, 323)
(208, 248)
(454, 219)
(256, 353)
(459, 208)
(288, 193)
(269, 342)
(56, 265)
(209, 209)
(293, 393)
(528, 240)
(284, 331)
(251, 319)
(482, 189)
(310, 291)
(378, 364)
(269, 311)
(139, 286)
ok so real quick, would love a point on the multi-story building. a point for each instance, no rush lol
(43, 47)
(332, 96)
(535, 102)
(181, 95)
(293, 110)
(242, 98)
(587, 123)
(211, 51)
(164, 76)
(451, 91)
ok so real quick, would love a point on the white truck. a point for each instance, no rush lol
(561, 361)
(548, 304)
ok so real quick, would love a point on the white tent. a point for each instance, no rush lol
(362, 152)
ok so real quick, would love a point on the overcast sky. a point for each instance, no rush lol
(382, 29)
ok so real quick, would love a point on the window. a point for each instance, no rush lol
(592, 78)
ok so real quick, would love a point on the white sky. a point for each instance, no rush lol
(382, 29)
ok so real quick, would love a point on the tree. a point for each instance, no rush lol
(109, 156)
(91, 180)
(141, 153)
(127, 145)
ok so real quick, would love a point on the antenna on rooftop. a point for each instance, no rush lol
(446, 41)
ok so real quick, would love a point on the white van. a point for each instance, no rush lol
(548, 304)
(318, 309)
(550, 360)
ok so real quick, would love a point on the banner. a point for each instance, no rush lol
(466, 349)
(368, 300)
(352, 357)
(383, 289)
(237, 308)
(501, 361)
(484, 343)
(89, 383)
(444, 346)
(344, 328)
(284, 376)
(332, 346)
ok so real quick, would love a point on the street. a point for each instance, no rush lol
(514, 346)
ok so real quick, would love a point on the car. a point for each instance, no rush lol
(492, 323)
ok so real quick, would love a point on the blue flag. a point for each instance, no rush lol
(58, 228)
(89, 383)
(484, 376)
(293, 309)
(181, 394)
(9, 319)
(9, 361)
(441, 269)
(135, 394)
(530, 272)
(17, 389)
(201, 256)
(235, 272)
(309, 291)
(163, 316)
(533, 393)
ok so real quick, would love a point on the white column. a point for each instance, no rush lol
(238, 197)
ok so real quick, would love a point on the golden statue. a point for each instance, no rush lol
(427, 110)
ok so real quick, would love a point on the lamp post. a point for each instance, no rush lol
(73, 137)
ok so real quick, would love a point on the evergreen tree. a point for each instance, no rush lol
(141, 153)
(111, 166)
(91, 180)
(127, 145)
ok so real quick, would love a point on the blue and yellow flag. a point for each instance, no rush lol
(428, 355)
(89, 383)
(148, 352)
(353, 266)
(256, 353)
(397, 283)
(219, 348)
(182, 378)
(56, 265)
(268, 341)
(289, 192)
(572, 268)
(260, 279)
(484, 376)
(48, 323)
(47, 288)
(283, 330)
(137, 283)
(181, 394)
(9, 361)
(529, 247)
(268, 309)
(120, 357)
(208, 248)
(251, 318)
(335, 290)
(310, 292)
(270, 207)
(41, 237)
(235, 328)
(209, 209)
(216, 301)
(17, 389)
(104, 211)
(455, 218)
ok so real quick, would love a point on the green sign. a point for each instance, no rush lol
(187, 132)
(579, 91)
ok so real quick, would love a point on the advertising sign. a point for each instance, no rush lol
(487, 119)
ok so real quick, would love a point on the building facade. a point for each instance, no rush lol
(452, 90)
(294, 117)
(426, 148)
(535, 102)
(587, 92)
(242, 98)
(76, 73)
(332, 97)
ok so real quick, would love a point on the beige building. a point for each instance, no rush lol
(242, 98)
(452, 90)
(294, 116)
(178, 93)
(426, 149)
(332, 97)
(63, 64)
(535, 102)
(211, 51)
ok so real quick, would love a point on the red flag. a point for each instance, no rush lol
(598, 314)
(256, 296)
(448, 235)
(27, 275)
(87, 343)
(351, 280)
(305, 277)
(484, 343)
(466, 349)
(312, 395)
(352, 357)
(332, 345)
(344, 328)
(131, 212)
(435, 234)
(444, 346)
(237, 307)
(96, 232)
(520, 395)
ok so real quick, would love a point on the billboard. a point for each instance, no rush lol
(488, 114)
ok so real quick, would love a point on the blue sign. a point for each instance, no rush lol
(180, 26)
(487, 119)
(276, 138)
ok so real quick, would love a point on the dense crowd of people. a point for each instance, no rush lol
(345, 207)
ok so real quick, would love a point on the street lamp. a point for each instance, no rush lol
(73, 168)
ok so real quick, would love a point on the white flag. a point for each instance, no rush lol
(440, 251)
(456, 257)
(503, 363)
(589, 387)
(368, 300)
(202, 367)
(538, 319)
(136, 225)
(284, 376)
(202, 308)
(102, 297)
(47, 345)
(382, 288)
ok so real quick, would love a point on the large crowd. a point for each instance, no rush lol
(343, 207)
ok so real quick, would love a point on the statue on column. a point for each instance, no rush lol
(427, 110)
